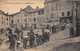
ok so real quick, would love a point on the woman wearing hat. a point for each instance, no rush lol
(12, 40)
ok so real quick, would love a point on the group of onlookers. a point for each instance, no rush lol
(31, 39)
(59, 27)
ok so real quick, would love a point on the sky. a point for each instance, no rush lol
(13, 6)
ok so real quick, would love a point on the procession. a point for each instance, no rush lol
(16, 38)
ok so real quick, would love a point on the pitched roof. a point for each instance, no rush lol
(28, 8)
(36, 10)
(3, 13)
(14, 14)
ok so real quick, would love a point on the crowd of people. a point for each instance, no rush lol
(32, 39)
(16, 37)
(58, 27)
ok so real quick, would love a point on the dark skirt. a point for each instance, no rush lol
(12, 45)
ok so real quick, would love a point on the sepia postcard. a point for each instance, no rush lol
(39, 25)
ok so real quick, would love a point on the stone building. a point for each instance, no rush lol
(36, 18)
(20, 19)
(57, 11)
(28, 17)
(13, 20)
(76, 17)
(4, 20)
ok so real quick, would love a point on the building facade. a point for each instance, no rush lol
(28, 17)
(76, 17)
(57, 11)
(20, 19)
(4, 20)
(13, 20)
(37, 18)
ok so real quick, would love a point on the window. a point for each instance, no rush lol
(12, 16)
(42, 12)
(18, 20)
(68, 13)
(51, 16)
(2, 17)
(7, 19)
(25, 20)
(2, 22)
(21, 26)
(34, 19)
(62, 13)
(39, 12)
(57, 6)
(12, 21)
(34, 14)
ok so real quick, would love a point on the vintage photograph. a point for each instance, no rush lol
(39, 25)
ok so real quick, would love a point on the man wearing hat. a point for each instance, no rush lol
(40, 37)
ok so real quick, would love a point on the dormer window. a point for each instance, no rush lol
(2, 22)
(68, 13)
(7, 19)
(2, 17)
(62, 13)
(18, 20)
(34, 19)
